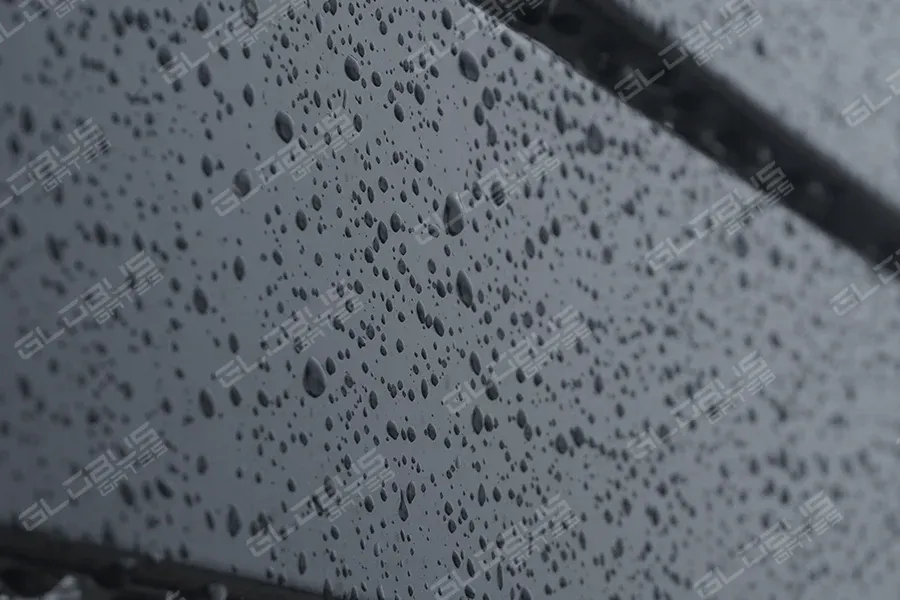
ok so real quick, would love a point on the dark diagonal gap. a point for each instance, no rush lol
(31, 564)
(605, 42)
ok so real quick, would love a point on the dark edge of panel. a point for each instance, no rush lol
(40, 556)
(605, 42)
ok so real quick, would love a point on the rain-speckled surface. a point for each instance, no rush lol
(426, 317)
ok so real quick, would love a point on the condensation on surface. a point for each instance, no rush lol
(444, 278)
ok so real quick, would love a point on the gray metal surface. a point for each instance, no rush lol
(575, 236)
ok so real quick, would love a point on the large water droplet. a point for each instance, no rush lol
(200, 301)
(301, 563)
(469, 66)
(201, 17)
(314, 378)
(351, 68)
(464, 288)
(284, 126)
(403, 511)
(453, 215)
(241, 182)
(477, 420)
(595, 140)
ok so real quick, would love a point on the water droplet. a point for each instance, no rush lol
(314, 378)
(595, 139)
(301, 563)
(204, 75)
(469, 66)
(201, 17)
(464, 288)
(392, 430)
(301, 220)
(200, 301)
(562, 446)
(404, 510)
(241, 182)
(284, 125)
(234, 521)
(477, 420)
(453, 215)
(351, 68)
(206, 405)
